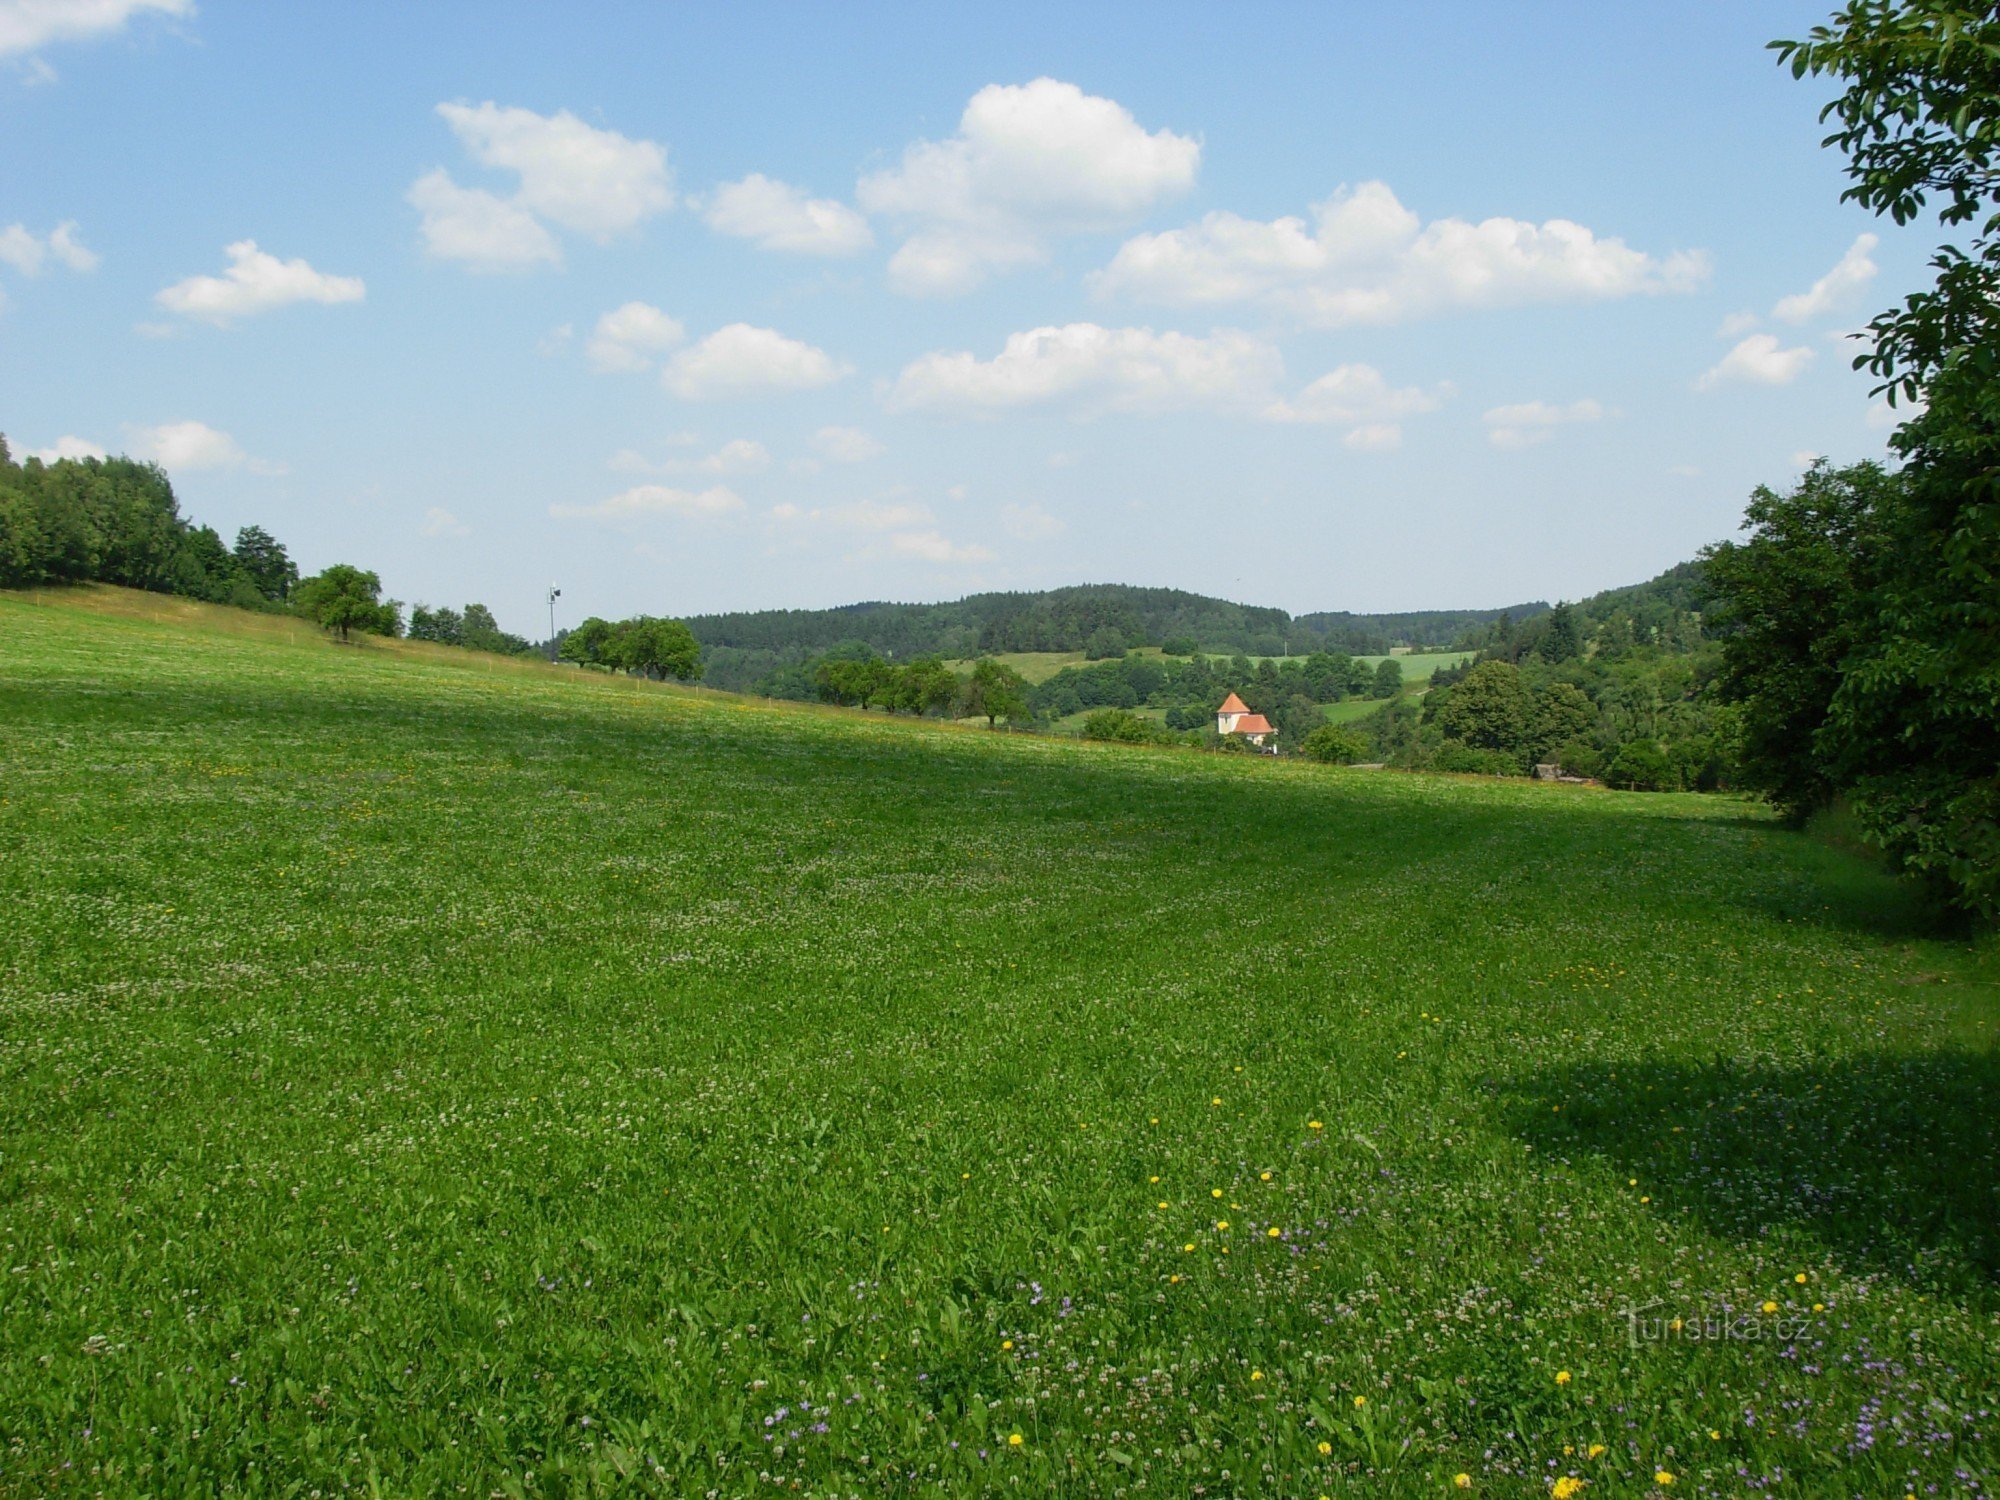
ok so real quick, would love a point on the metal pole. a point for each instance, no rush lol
(554, 594)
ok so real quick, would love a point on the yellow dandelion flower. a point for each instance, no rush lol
(1188, 1246)
(1770, 1307)
(1359, 1402)
(1800, 1278)
(1819, 1307)
(1272, 1231)
(1662, 1478)
(1215, 1192)
(1221, 1223)
(1263, 1176)
(1566, 1486)
(1215, 1101)
(1013, 1440)
(1163, 1203)
(1462, 1481)
(1562, 1377)
(1714, 1436)
(1324, 1449)
(1256, 1374)
(1314, 1125)
(1595, 1450)
(1006, 1343)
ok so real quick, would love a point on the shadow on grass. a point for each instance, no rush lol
(1891, 1163)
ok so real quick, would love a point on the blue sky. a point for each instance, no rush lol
(698, 307)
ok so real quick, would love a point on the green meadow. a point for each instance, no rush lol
(427, 1074)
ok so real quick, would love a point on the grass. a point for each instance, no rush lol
(424, 1076)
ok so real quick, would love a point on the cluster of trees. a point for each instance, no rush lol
(115, 520)
(1189, 688)
(1863, 607)
(644, 644)
(991, 691)
(472, 627)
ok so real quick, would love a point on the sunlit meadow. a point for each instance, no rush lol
(427, 1075)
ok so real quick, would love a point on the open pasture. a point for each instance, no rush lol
(421, 1077)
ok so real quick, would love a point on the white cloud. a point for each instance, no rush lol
(777, 216)
(27, 252)
(1366, 258)
(1805, 458)
(846, 445)
(486, 232)
(255, 282)
(1359, 398)
(1098, 369)
(67, 447)
(936, 547)
(1760, 360)
(1030, 523)
(1374, 437)
(740, 360)
(439, 522)
(1881, 415)
(1530, 422)
(653, 500)
(190, 447)
(1029, 162)
(1736, 325)
(886, 513)
(1837, 290)
(738, 456)
(627, 338)
(28, 24)
(596, 182)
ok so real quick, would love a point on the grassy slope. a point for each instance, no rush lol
(430, 1071)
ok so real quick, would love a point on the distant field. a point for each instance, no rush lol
(427, 1074)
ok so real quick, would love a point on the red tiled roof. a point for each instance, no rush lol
(1233, 705)
(1253, 724)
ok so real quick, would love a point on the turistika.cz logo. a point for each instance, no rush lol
(1651, 1323)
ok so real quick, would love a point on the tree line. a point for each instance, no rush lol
(116, 520)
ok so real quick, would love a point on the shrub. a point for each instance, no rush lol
(1642, 766)
(1122, 727)
(1334, 746)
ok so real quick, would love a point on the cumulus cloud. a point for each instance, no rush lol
(846, 445)
(1365, 258)
(477, 228)
(439, 522)
(737, 456)
(67, 446)
(740, 360)
(886, 513)
(777, 216)
(1359, 398)
(596, 182)
(653, 500)
(1837, 290)
(1029, 162)
(1529, 422)
(28, 253)
(1759, 360)
(627, 338)
(191, 447)
(255, 282)
(935, 547)
(1095, 369)
(593, 182)
(26, 25)
(1030, 523)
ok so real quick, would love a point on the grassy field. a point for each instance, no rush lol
(422, 1075)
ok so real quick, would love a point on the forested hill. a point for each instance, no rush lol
(1104, 618)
